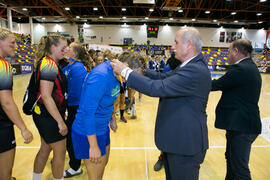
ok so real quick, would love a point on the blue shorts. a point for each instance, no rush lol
(81, 145)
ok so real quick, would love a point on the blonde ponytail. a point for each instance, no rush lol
(44, 46)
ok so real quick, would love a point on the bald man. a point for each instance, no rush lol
(237, 111)
(181, 130)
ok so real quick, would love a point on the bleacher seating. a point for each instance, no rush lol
(263, 59)
(215, 56)
(25, 53)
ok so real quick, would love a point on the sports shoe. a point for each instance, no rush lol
(158, 165)
(123, 119)
(71, 172)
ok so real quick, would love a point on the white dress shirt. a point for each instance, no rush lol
(240, 60)
(187, 61)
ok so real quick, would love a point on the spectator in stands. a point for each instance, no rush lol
(151, 63)
(90, 131)
(156, 63)
(161, 65)
(28, 37)
(9, 114)
(237, 111)
(49, 113)
(79, 64)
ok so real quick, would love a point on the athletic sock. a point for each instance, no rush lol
(37, 176)
(121, 113)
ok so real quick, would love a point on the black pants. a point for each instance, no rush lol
(237, 155)
(73, 162)
(181, 167)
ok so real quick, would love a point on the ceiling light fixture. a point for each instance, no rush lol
(233, 13)
(207, 12)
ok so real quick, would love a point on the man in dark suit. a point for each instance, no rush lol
(181, 130)
(237, 111)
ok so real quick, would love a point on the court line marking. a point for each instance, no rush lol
(146, 164)
(266, 128)
(146, 148)
(267, 94)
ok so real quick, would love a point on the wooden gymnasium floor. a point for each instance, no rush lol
(133, 151)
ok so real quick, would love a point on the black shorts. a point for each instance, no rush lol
(47, 128)
(7, 139)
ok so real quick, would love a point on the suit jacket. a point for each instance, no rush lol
(238, 107)
(181, 118)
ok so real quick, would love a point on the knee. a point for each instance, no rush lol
(45, 150)
(60, 155)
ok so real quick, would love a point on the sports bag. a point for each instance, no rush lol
(30, 97)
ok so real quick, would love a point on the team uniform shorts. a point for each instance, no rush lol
(47, 128)
(7, 139)
(81, 145)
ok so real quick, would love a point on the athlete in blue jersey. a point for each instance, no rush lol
(90, 131)
(75, 71)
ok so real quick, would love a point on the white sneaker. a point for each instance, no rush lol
(71, 172)
(129, 111)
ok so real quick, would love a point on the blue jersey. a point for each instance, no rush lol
(162, 64)
(151, 64)
(75, 73)
(100, 90)
(167, 68)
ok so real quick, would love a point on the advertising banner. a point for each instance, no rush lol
(26, 68)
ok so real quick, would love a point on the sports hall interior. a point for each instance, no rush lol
(133, 151)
